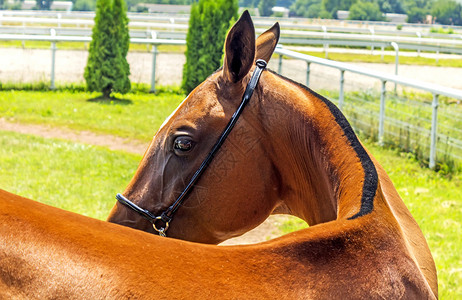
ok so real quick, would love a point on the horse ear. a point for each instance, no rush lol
(266, 43)
(239, 49)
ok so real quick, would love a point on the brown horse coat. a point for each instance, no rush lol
(48, 253)
(292, 151)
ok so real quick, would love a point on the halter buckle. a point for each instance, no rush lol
(161, 230)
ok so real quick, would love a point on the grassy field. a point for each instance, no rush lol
(85, 178)
(388, 59)
(135, 116)
(85, 46)
(435, 202)
(407, 123)
(76, 177)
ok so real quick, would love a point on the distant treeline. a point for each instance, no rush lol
(448, 12)
(442, 11)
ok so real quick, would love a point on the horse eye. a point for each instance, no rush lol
(183, 144)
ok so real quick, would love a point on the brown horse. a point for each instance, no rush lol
(291, 151)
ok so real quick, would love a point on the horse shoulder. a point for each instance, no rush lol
(352, 259)
(413, 237)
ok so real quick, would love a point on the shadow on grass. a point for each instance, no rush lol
(110, 100)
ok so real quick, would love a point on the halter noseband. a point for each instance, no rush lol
(167, 216)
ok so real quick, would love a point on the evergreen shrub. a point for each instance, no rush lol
(107, 68)
(208, 23)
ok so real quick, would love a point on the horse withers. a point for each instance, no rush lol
(291, 151)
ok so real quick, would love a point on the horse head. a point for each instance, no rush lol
(238, 190)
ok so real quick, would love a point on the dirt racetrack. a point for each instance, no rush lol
(32, 65)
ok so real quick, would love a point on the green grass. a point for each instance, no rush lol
(435, 202)
(80, 178)
(136, 116)
(85, 46)
(388, 59)
(292, 225)
(408, 123)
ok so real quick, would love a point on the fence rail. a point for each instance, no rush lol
(297, 34)
(435, 89)
(384, 78)
(53, 39)
(349, 26)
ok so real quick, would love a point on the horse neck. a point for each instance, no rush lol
(325, 172)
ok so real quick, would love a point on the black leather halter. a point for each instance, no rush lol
(167, 216)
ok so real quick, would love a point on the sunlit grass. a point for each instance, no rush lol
(435, 202)
(136, 115)
(85, 46)
(76, 177)
(388, 59)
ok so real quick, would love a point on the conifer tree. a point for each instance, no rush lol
(107, 68)
(123, 38)
(208, 23)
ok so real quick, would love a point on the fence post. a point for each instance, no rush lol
(153, 74)
(280, 65)
(308, 65)
(23, 33)
(372, 31)
(433, 135)
(382, 113)
(172, 21)
(396, 47)
(326, 45)
(419, 35)
(340, 96)
(154, 59)
(53, 58)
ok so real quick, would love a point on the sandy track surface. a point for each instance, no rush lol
(84, 137)
(30, 65)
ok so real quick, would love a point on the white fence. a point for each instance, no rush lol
(348, 26)
(296, 31)
(436, 90)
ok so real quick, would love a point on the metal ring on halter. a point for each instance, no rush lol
(160, 230)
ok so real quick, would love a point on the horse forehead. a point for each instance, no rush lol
(201, 103)
(192, 103)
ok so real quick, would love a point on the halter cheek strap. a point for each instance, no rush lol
(167, 216)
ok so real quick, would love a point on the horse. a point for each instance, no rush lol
(291, 151)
